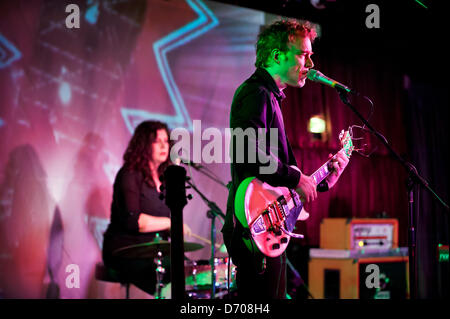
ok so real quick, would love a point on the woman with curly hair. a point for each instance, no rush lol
(137, 213)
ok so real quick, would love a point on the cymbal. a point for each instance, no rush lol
(151, 249)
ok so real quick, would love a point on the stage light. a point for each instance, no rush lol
(65, 92)
(317, 124)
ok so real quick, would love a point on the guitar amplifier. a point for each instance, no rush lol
(344, 274)
(359, 233)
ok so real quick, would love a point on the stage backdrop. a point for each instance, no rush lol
(71, 98)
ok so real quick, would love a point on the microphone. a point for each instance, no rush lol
(317, 76)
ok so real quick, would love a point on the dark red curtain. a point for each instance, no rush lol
(427, 118)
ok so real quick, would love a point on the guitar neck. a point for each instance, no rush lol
(322, 173)
(318, 177)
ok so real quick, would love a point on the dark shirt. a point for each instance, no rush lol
(131, 197)
(256, 104)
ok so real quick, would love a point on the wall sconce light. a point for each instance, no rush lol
(317, 126)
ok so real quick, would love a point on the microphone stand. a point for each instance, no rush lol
(413, 179)
(213, 212)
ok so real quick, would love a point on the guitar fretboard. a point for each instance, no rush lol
(321, 173)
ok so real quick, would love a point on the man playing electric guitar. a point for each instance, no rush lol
(283, 57)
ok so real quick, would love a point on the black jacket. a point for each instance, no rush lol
(256, 105)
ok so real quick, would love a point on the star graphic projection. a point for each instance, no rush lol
(206, 20)
(8, 52)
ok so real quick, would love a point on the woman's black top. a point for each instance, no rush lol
(131, 197)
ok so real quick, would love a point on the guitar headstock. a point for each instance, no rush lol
(175, 187)
(345, 139)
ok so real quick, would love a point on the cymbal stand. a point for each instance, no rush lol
(212, 261)
(194, 274)
(160, 271)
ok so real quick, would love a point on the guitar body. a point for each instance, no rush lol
(270, 213)
(253, 198)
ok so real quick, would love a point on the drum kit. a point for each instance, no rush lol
(198, 273)
(204, 279)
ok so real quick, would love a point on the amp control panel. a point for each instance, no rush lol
(359, 233)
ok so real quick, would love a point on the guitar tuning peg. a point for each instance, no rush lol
(189, 196)
(161, 188)
(161, 196)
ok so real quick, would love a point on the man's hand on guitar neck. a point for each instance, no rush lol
(339, 162)
(306, 188)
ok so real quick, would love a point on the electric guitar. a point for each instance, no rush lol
(270, 213)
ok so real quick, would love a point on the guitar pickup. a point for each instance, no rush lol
(279, 210)
(282, 204)
(295, 198)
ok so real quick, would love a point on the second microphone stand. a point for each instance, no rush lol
(213, 212)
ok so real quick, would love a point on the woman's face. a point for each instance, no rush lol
(160, 147)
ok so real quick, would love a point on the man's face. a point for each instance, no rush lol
(295, 63)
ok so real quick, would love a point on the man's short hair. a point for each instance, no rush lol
(279, 34)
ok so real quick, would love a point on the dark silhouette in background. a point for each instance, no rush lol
(24, 225)
(55, 252)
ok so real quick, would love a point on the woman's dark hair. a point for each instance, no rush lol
(139, 151)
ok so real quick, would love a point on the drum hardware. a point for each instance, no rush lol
(199, 278)
(160, 271)
(155, 249)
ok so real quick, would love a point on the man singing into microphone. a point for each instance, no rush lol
(283, 57)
